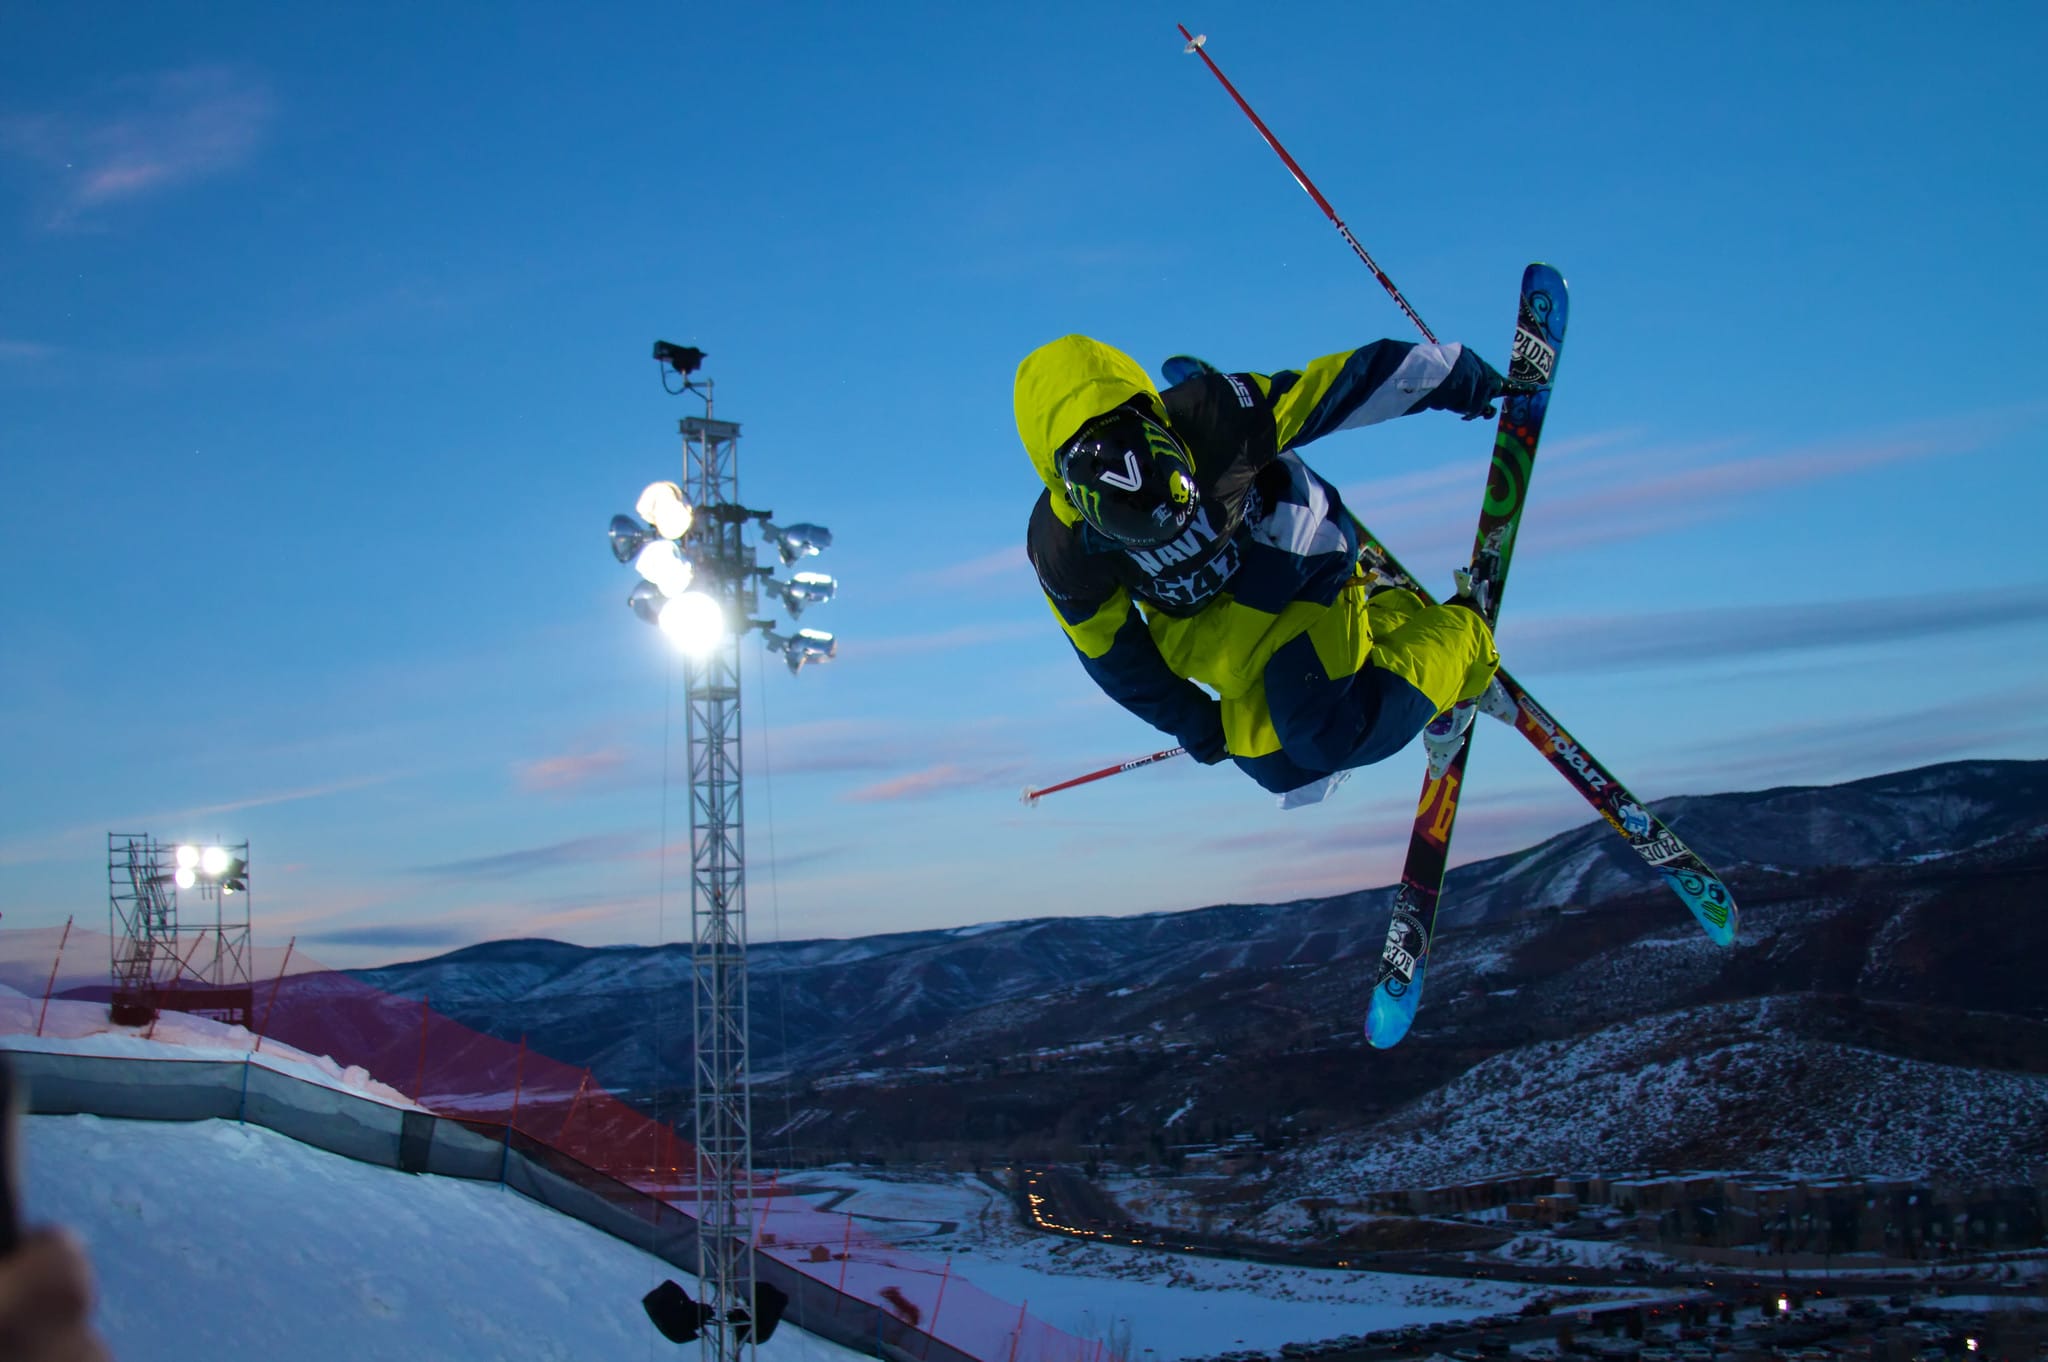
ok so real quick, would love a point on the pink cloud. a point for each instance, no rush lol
(144, 135)
(570, 771)
(932, 780)
(1642, 488)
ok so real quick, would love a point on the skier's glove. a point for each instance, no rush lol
(1472, 385)
(1206, 744)
(1178, 369)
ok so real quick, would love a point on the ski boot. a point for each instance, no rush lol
(1445, 734)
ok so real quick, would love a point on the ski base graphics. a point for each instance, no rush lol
(1539, 338)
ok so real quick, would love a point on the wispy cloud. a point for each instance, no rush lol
(145, 135)
(54, 845)
(829, 745)
(20, 351)
(2010, 723)
(535, 860)
(938, 779)
(966, 636)
(395, 936)
(1689, 637)
(1642, 487)
(571, 770)
(997, 565)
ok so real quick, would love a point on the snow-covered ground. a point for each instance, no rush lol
(213, 1239)
(1174, 1305)
(300, 1253)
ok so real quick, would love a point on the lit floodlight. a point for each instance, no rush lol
(806, 588)
(188, 858)
(213, 861)
(662, 506)
(185, 878)
(695, 621)
(628, 537)
(663, 564)
(647, 601)
(797, 541)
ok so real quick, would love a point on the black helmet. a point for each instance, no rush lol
(1130, 478)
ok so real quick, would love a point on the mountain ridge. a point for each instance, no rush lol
(1909, 895)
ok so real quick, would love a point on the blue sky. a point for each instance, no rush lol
(323, 364)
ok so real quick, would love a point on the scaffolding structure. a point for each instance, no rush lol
(160, 958)
(718, 896)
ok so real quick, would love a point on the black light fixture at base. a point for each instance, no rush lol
(679, 1318)
(682, 1320)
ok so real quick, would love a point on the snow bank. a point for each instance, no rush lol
(221, 1240)
(81, 1028)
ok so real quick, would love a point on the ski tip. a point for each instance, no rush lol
(1391, 1014)
(1709, 901)
(1386, 1022)
(1029, 799)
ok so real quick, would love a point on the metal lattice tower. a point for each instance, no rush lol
(718, 895)
(155, 952)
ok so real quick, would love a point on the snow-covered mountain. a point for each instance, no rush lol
(1889, 925)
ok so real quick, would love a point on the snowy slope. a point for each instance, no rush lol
(1735, 1084)
(218, 1240)
(1168, 1305)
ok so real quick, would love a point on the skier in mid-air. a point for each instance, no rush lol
(1181, 539)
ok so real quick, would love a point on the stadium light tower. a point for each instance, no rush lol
(157, 956)
(701, 584)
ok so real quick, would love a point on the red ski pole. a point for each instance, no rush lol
(1032, 796)
(1197, 46)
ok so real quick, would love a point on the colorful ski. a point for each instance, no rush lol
(1702, 891)
(1539, 336)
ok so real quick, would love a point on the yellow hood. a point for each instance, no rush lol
(1060, 387)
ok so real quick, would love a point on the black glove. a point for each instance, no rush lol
(1178, 369)
(1206, 744)
(1469, 389)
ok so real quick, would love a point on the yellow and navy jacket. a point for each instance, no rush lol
(1271, 545)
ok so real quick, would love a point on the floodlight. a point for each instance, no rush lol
(185, 878)
(684, 359)
(188, 858)
(663, 564)
(695, 620)
(663, 506)
(805, 645)
(769, 1303)
(213, 861)
(647, 601)
(628, 537)
(672, 1311)
(797, 541)
(806, 588)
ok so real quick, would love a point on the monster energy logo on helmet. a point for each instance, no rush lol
(1130, 478)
